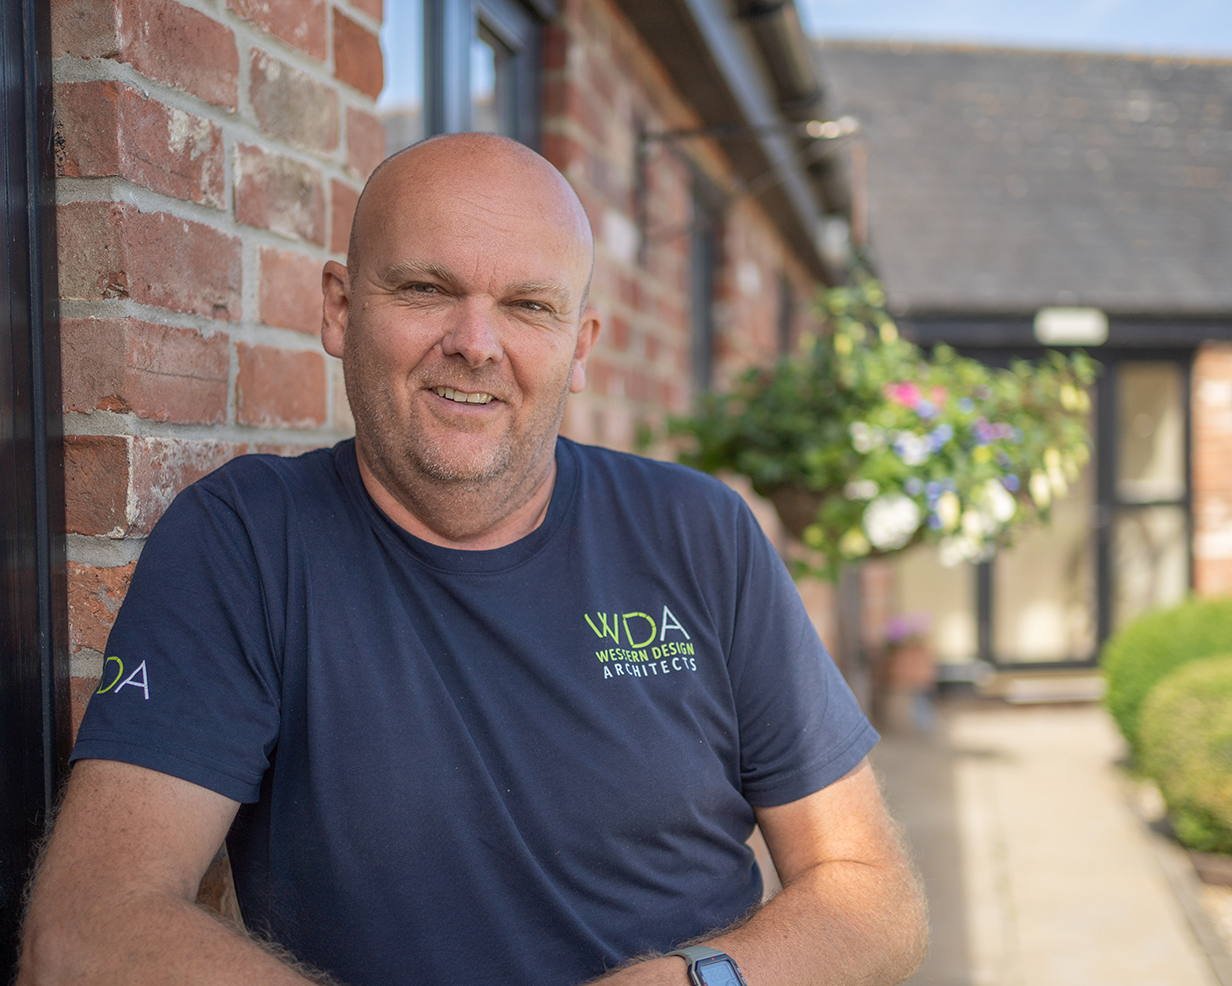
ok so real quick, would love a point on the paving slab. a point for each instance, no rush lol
(1038, 871)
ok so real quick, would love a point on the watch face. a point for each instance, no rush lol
(718, 972)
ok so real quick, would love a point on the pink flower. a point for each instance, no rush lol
(939, 396)
(906, 394)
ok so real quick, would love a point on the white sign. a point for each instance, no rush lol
(1071, 327)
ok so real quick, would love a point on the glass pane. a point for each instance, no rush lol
(486, 55)
(947, 595)
(1150, 561)
(1151, 433)
(401, 101)
(1044, 586)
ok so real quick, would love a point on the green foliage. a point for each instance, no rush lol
(1185, 738)
(1152, 646)
(878, 445)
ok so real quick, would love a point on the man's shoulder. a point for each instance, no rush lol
(262, 485)
(669, 476)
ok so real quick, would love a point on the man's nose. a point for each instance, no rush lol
(472, 333)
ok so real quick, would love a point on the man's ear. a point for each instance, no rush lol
(335, 306)
(588, 335)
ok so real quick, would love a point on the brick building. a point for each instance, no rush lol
(177, 171)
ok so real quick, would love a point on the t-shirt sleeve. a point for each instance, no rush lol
(801, 728)
(190, 683)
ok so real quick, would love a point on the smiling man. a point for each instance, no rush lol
(469, 702)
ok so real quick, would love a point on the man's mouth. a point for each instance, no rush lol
(461, 396)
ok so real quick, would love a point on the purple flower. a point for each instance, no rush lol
(934, 522)
(926, 410)
(914, 486)
(966, 405)
(933, 491)
(1010, 482)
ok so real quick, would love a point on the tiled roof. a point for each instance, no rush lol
(1004, 180)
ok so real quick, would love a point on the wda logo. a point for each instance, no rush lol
(143, 682)
(647, 650)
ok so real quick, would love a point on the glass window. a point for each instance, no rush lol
(485, 111)
(1150, 561)
(947, 595)
(1044, 586)
(401, 101)
(1150, 432)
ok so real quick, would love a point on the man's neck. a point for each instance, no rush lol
(472, 518)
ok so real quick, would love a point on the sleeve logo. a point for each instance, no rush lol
(646, 650)
(115, 684)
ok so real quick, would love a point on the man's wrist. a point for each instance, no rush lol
(709, 966)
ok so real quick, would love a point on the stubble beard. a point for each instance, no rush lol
(427, 472)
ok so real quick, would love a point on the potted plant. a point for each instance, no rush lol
(867, 444)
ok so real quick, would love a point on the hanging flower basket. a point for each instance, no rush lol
(866, 444)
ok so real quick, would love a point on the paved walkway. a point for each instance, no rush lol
(1038, 872)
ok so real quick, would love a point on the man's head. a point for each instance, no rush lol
(461, 318)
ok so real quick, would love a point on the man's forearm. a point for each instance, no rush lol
(840, 924)
(152, 938)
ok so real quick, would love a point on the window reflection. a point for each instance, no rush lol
(1150, 432)
(1150, 561)
(947, 595)
(1044, 606)
(401, 101)
(492, 84)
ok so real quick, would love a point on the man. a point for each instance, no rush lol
(470, 703)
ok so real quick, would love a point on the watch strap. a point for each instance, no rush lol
(692, 953)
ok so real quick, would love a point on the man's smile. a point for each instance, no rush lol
(462, 397)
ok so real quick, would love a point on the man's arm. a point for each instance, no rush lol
(851, 910)
(114, 898)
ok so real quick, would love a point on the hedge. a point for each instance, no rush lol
(1185, 742)
(1152, 646)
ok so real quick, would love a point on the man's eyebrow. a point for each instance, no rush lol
(559, 293)
(406, 270)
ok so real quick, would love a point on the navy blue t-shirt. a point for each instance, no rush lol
(519, 766)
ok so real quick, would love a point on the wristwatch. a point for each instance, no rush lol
(710, 967)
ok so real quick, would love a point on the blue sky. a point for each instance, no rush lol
(1173, 27)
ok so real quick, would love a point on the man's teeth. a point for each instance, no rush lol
(462, 397)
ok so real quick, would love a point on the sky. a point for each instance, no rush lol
(1170, 27)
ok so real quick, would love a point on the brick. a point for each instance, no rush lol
(174, 44)
(111, 250)
(343, 200)
(279, 194)
(157, 372)
(292, 105)
(300, 23)
(357, 56)
(85, 28)
(80, 690)
(94, 597)
(290, 291)
(278, 388)
(373, 8)
(161, 467)
(106, 128)
(96, 484)
(365, 142)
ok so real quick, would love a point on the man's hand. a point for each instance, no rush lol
(851, 909)
(114, 899)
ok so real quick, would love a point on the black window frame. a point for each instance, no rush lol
(34, 666)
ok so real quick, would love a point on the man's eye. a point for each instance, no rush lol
(424, 289)
(533, 306)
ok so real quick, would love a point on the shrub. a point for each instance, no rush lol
(1155, 644)
(1185, 736)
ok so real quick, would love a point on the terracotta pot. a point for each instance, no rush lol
(796, 507)
(911, 666)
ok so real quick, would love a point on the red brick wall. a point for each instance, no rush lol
(1212, 470)
(209, 157)
(601, 82)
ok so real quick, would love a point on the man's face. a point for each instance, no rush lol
(463, 332)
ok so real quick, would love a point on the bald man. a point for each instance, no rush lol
(469, 702)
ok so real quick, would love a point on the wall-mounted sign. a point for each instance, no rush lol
(1071, 327)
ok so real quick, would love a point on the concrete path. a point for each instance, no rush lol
(1038, 872)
